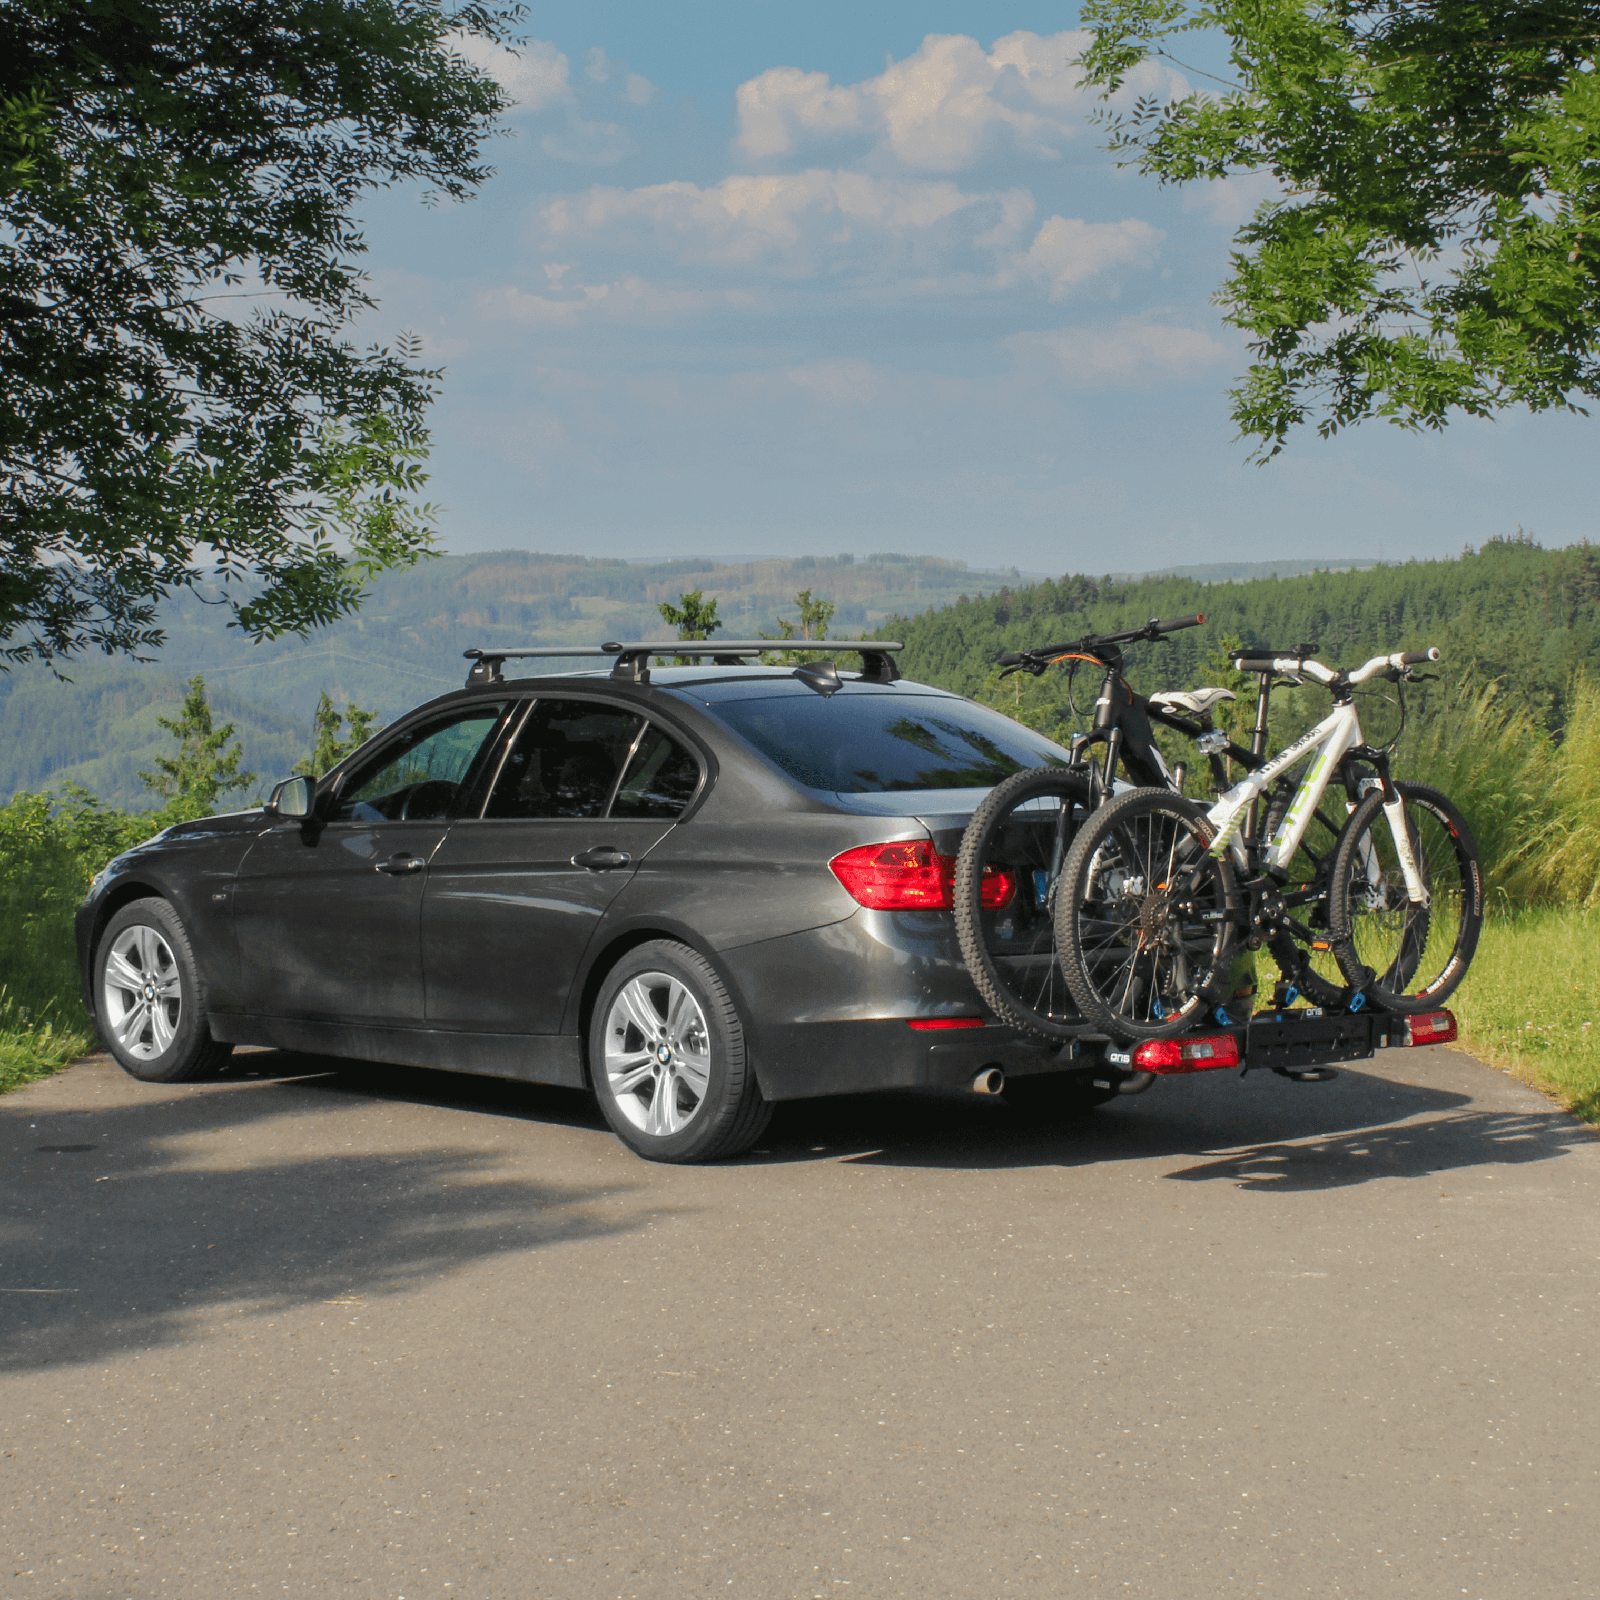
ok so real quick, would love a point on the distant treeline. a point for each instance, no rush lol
(1509, 612)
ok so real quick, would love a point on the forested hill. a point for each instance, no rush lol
(1510, 611)
(405, 645)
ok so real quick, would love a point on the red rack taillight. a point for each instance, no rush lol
(938, 1024)
(1188, 1055)
(1432, 1027)
(911, 876)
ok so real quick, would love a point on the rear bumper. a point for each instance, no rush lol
(809, 1059)
(828, 1010)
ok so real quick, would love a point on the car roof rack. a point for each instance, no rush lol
(633, 660)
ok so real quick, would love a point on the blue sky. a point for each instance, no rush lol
(768, 279)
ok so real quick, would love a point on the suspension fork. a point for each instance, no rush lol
(1394, 810)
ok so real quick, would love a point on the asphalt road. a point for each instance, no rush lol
(322, 1330)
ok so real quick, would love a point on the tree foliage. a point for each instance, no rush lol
(328, 749)
(1435, 243)
(815, 615)
(178, 266)
(204, 767)
(694, 616)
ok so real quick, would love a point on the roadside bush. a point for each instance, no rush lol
(51, 846)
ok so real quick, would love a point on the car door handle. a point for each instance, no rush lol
(402, 863)
(601, 858)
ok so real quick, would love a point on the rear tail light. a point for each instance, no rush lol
(938, 1024)
(911, 876)
(1432, 1027)
(1188, 1055)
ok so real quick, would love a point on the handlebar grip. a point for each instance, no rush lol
(1009, 658)
(1414, 658)
(1253, 663)
(1179, 622)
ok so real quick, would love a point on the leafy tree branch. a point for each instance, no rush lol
(1434, 248)
(155, 155)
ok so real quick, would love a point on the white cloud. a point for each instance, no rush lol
(1123, 355)
(630, 299)
(598, 67)
(839, 383)
(534, 76)
(925, 235)
(590, 144)
(784, 106)
(1229, 202)
(1067, 251)
(944, 107)
(798, 222)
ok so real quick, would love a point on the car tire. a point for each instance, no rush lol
(1050, 1095)
(150, 997)
(668, 1061)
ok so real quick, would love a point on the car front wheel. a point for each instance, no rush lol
(151, 998)
(667, 1058)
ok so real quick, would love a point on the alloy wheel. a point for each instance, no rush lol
(141, 996)
(657, 1053)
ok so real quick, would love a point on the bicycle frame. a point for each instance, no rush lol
(1332, 739)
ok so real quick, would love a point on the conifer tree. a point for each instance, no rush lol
(327, 748)
(694, 617)
(203, 768)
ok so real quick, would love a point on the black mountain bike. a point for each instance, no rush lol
(1018, 837)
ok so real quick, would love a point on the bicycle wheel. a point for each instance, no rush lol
(1409, 956)
(1006, 873)
(1144, 916)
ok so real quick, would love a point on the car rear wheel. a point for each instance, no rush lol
(667, 1058)
(151, 998)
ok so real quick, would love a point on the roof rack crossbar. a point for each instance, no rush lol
(633, 660)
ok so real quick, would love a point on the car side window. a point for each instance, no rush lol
(660, 781)
(565, 761)
(418, 776)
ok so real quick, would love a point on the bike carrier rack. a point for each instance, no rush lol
(1305, 1045)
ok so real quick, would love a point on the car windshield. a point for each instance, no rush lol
(873, 743)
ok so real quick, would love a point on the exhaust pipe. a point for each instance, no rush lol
(989, 1080)
(1136, 1083)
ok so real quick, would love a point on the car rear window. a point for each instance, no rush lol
(873, 743)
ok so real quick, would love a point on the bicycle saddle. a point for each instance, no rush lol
(1197, 702)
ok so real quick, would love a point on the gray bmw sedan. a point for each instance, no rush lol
(695, 891)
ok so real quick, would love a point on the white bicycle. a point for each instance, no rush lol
(1157, 892)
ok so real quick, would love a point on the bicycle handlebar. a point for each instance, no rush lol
(1153, 629)
(1304, 667)
(1408, 658)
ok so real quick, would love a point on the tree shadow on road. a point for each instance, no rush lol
(119, 1227)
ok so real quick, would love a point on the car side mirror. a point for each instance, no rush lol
(293, 799)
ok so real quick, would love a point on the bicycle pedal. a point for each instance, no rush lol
(1307, 1074)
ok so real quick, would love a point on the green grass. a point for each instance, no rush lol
(1531, 1003)
(32, 1047)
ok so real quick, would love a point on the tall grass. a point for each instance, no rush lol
(1531, 1002)
(1569, 849)
(1533, 804)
